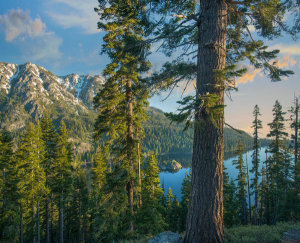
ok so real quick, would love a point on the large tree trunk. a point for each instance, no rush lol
(130, 146)
(205, 215)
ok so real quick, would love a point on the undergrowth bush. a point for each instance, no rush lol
(258, 234)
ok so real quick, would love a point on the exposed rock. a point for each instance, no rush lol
(166, 237)
(175, 165)
(291, 236)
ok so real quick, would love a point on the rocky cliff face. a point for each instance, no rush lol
(27, 90)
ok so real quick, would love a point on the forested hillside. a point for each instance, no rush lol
(28, 90)
(163, 136)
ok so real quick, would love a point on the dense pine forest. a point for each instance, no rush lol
(47, 194)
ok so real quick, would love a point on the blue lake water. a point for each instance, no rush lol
(174, 180)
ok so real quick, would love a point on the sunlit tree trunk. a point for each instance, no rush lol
(205, 215)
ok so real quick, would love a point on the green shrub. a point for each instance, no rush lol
(261, 233)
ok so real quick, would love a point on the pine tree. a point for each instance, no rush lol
(231, 204)
(121, 102)
(241, 184)
(151, 219)
(77, 206)
(295, 125)
(294, 117)
(99, 172)
(61, 174)
(185, 198)
(9, 208)
(32, 179)
(277, 161)
(255, 160)
(49, 138)
(218, 31)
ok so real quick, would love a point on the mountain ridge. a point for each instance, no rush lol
(27, 90)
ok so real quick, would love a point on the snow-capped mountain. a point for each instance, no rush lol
(27, 90)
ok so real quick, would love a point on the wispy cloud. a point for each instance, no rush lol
(249, 76)
(286, 61)
(30, 35)
(17, 23)
(288, 49)
(78, 13)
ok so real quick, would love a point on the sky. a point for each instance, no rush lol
(62, 36)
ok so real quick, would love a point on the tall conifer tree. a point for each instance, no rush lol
(32, 179)
(122, 101)
(151, 220)
(231, 204)
(49, 138)
(256, 125)
(9, 214)
(99, 172)
(241, 184)
(61, 173)
(219, 31)
(277, 160)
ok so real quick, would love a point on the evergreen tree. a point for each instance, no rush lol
(185, 198)
(32, 180)
(77, 206)
(61, 174)
(294, 117)
(99, 171)
(241, 184)
(122, 100)
(49, 138)
(151, 219)
(218, 31)
(277, 161)
(9, 208)
(295, 125)
(255, 160)
(231, 204)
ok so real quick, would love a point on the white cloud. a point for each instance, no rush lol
(30, 35)
(79, 13)
(18, 23)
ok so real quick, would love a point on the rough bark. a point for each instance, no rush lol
(205, 214)
(130, 142)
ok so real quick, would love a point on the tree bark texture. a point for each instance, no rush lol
(205, 215)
